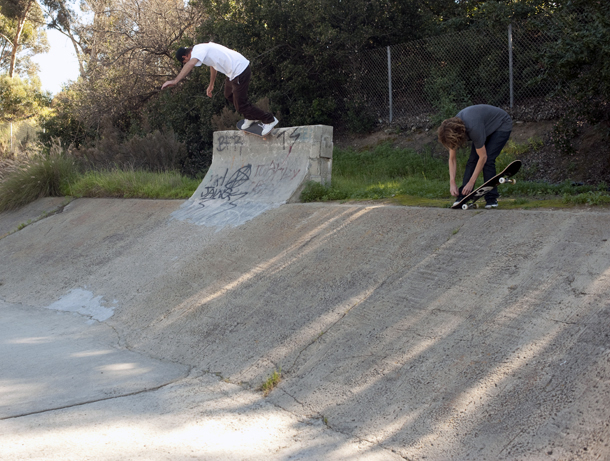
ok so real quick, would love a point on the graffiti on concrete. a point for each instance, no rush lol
(287, 137)
(228, 141)
(266, 176)
(221, 188)
(249, 176)
(293, 137)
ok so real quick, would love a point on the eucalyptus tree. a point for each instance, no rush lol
(126, 49)
(21, 36)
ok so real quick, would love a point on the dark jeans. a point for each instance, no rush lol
(493, 145)
(236, 91)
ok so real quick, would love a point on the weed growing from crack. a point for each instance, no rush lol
(271, 382)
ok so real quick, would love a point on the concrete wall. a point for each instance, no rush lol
(250, 175)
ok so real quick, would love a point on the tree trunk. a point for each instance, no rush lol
(16, 43)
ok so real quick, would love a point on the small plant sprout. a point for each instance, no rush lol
(271, 382)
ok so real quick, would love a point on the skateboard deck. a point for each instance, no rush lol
(256, 129)
(501, 178)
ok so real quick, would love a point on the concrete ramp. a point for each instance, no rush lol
(400, 333)
(250, 175)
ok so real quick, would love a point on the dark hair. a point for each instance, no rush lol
(452, 133)
(181, 53)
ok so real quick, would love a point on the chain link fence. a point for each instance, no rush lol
(501, 67)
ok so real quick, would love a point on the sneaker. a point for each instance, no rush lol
(491, 205)
(247, 124)
(458, 200)
(267, 127)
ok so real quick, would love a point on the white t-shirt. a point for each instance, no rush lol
(221, 58)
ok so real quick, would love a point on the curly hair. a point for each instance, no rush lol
(452, 133)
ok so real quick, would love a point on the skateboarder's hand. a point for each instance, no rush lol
(454, 190)
(168, 84)
(468, 188)
(209, 90)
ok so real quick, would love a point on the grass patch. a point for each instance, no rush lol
(60, 175)
(589, 198)
(133, 184)
(383, 172)
(271, 382)
(406, 177)
(44, 177)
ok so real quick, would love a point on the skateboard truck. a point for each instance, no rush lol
(506, 180)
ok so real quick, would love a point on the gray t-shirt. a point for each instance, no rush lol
(482, 120)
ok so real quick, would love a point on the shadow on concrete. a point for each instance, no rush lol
(428, 332)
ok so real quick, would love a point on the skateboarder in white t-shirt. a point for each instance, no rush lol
(237, 70)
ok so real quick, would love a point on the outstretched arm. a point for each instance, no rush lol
(183, 73)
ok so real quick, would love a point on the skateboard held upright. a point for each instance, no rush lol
(502, 178)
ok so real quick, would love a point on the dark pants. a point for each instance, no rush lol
(236, 91)
(493, 145)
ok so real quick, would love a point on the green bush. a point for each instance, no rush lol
(447, 93)
(358, 117)
(320, 111)
(316, 192)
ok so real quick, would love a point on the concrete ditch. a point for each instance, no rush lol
(401, 333)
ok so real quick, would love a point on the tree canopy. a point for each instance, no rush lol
(302, 54)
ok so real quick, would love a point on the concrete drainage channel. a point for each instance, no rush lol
(71, 392)
(400, 333)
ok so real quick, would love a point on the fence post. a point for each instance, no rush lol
(510, 63)
(390, 81)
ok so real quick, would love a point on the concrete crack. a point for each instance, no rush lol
(332, 325)
(44, 215)
(79, 404)
(324, 419)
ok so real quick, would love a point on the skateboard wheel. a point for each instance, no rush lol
(502, 180)
(464, 206)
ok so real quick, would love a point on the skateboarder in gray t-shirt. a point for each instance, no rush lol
(488, 128)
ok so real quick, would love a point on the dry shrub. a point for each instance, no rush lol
(11, 162)
(226, 120)
(7, 166)
(156, 151)
(29, 177)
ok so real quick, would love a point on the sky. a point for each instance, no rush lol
(59, 65)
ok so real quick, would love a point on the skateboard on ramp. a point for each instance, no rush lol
(502, 178)
(256, 129)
